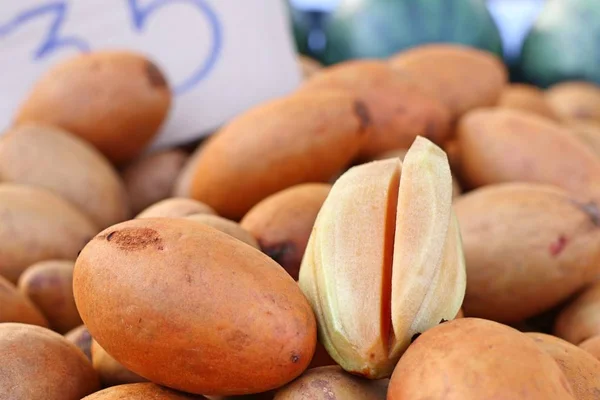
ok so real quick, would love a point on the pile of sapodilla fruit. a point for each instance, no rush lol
(323, 245)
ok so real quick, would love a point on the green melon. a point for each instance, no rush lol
(564, 44)
(381, 28)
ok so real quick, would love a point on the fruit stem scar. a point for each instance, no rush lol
(110, 235)
(363, 114)
(558, 246)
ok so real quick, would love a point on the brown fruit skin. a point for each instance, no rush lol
(111, 371)
(176, 208)
(592, 346)
(81, 338)
(501, 145)
(588, 132)
(303, 138)
(580, 319)
(471, 358)
(327, 383)
(283, 221)
(463, 78)
(37, 225)
(40, 364)
(575, 100)
(401, 110)
(115, 100)
(226, 226)
(17, 307)
(140, 391)
(183, 183)
(528, 98)
(56, 160)
(581, 369)
(151, 178)
(49, 284)
(143, 313)
(527, 247)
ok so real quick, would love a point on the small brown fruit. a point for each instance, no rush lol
(15, 307)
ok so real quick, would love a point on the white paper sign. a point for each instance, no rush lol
(221, 56)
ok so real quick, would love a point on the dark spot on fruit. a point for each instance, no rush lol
(372, 356)
(325, 388)
(285, 254)
(415, 337)
(362, 112)
(443, 320)
(295, 358)
(139, 321)
(188, 278)
(592, 211)
(155, 76)
(558, 246)
(132, 239)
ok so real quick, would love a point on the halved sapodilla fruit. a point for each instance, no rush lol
(384, 261)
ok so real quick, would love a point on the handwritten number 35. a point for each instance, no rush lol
(56, 40)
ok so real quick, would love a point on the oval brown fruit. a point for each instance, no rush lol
(141, 391)
(49, 284)
(152, 178)
(580, 319)
(54, 159)
(528, 98)
(176, 208)
(115, 100)
(307, 137)
(111, 371)
(282, 222)
(327, 383)
(15, 307)
(400, 109)
(463, 78)
(575, 99)
(226, 226)
(40, 364)
(471, 358)
(37, 225)
(81, 338)
(581, 369)
(156, 289)
(592, 346)
(501, 145)
(527, 247)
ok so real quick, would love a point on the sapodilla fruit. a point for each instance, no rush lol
(384, 261)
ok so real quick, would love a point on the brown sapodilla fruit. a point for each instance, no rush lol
(327, 383)
(580, 368)
(37, 225)
(471, 358)
(111, 371)
(49, 284)
(116, 100)
(462, 77)
(282, 222)
(580, 319)
(40, 364)
(141, 391)
(175, 207)
(53, 159)
(400, 109)
(307, 137)
(227, 226)
(527, 246)
(160, 289)
(528, 98)
(575, 99)
(151, 179)
(18, 308)
(501, 145)
(81, 338)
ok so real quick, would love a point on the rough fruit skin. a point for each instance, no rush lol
(580, 368)
(307, 137)
(141, 391)
(326, 383)
(580, 319)
(463, 78)
(472, 359)
(527, 248)
(282, 223)
(115, 100)
(502, 145)
(17, 307)
(401, 110)
(384, 260)
(155, 289)
(40, 364)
